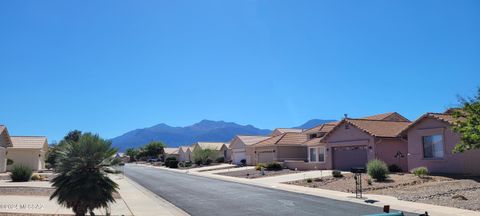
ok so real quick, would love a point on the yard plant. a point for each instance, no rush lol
(82, 183)
(21, 173)
(274, 166)
(260, 165)
(337, 174)
(420, 172)
(171, 162)
(377, 169)
(203, 156)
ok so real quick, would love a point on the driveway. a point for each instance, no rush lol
(205, 196)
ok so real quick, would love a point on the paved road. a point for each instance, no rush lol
(201, 196)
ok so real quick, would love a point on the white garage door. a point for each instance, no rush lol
(265, 157)
(238, 156)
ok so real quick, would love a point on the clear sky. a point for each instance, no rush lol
(112, 66)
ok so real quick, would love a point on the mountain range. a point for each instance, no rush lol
(205, 130)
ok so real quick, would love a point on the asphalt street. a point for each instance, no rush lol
(201, 196)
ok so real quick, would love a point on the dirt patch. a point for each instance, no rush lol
(458, 192)
(251, 173)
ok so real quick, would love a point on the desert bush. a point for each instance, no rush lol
(260, 165)
(337, 174)
(188, 164)
(274, 166)
(377, 169)
(220, 160)
(420, 172)
(36, 178)
(171, 162)
(393, 168)
(21, 173)
(9, 161)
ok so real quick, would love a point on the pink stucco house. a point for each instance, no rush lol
(430, 144)
(353, 142)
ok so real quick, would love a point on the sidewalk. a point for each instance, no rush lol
(141, 201)
(380, 200)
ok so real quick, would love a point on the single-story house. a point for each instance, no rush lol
(220, 148)
(430, 144)
(228, 155)
(241, 147)
(5, 142)
(353, 142)
(285, 146)
(171, 152)
(184, 153)
(278, 131)
(29, 151)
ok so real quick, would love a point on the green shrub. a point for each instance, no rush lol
(420, 172)
(220, 160)
(208, 161)
(377, 169)
(337, 174)
(309, 180)
(36, 178)
(198, 162)
(9, 161)
(393, 168)
(274, 166)
(21, 173)
(260, 165)
(188, 164)
(243, 162)
(171, 162)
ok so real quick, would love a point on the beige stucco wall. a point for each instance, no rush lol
(250, 155)
(27, 157)
(463, 163)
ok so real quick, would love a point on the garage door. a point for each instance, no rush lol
(238, 156)
(344, 158)
(265, 157)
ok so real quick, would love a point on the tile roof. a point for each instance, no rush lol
(286, 130)
(379, 128)
(29, 142)
(314, 141)
(327, 127)
(250, 140)
(448, 118)
(288, 138)
(170, 150)
(385, 116)
(184, 148)
(211, 145)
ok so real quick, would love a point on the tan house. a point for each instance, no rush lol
(5, 142)
(185, 153)
(29, 151)
(220, 148)
(242, 148)
(285, 146)
(430, 144)
(279, 131)
(353, 142)
(171, 152)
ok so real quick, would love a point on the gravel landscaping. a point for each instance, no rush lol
(251, 173)
(33, 191)
(452, 191)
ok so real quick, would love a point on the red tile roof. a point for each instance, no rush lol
(288, 138)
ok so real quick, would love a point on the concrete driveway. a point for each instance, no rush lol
(203, 196)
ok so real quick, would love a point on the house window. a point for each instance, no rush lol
(317, 154)
(433, 147)
(321, 154)
(313, 154)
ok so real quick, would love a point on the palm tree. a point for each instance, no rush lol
(82, 184)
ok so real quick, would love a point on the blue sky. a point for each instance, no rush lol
(112, 66)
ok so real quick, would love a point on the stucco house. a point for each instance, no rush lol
(5, 142)
(185, 153)
(219, 147)
(241, 147)
(353, 142)
(285, 146)
(29, 151)
(430, 144)
(171, 152)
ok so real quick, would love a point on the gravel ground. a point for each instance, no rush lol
(438, 190)
(33, 191)
(257, 174)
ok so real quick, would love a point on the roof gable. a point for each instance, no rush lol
(6, 136)
(289, 138)
(29, 142)
(210, 145)
(444, 117)
(279, 131)
(390, 116)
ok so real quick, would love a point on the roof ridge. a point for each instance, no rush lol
(382, 120)
(29, 136)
